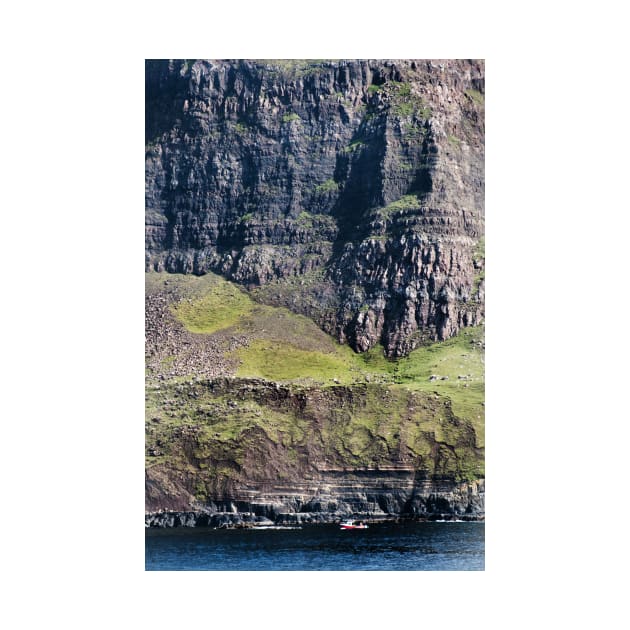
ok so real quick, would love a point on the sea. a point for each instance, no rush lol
(406, 546)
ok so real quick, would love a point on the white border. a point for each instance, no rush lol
(72, 264)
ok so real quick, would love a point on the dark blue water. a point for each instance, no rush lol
(448, 546)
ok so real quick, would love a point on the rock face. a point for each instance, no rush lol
(335, 495)
(271, 450)
(349, 191)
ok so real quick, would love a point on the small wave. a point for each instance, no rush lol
(274, 527)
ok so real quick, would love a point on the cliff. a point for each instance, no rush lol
(252, 409)
(349, 191)
(315, 290)
(271, 449)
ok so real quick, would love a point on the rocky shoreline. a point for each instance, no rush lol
(244, 520)
(445, 502)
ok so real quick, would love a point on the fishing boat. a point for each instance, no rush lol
(350, 524)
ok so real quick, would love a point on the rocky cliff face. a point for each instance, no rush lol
(272, 450)
(349, 191)
(332, 496)
(252, 412)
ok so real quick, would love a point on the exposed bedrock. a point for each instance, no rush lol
(374, 495)
(365, 178)
(269, 449)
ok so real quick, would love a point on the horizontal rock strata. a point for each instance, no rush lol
(366, 178)
(311, 449)
(370, 495)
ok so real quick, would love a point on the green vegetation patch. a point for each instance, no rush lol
(280, 325)
(407, 202)
(404, 103)
(459, 359)
(287, 118)
(219, 434)
(329, 186)
(402, 90)
(476, 96)
(221, 305)
(370, 425)
(246, 218)
(194, 429)
(281, 361)
(375, 361)
(305, 219)
(290, 348)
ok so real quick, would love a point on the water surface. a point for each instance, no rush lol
(450, 546)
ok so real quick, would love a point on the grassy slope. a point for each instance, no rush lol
(363, 426)
(291, 349)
